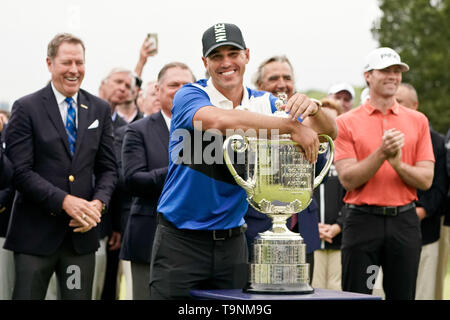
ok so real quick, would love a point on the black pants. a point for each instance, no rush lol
(392, 242)
(74, 272)
(182, 262)
(140, 273)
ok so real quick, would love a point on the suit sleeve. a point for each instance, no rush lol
(6, 170)
(105, 168)
(141, 180)
(20, 151)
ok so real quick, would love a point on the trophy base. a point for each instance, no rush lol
(278, 266)
(298, 288)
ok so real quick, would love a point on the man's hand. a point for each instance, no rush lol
(98, 205)
(392, 142)
(114, 241)
(328, 231)
(300, 104)
(396, 160)
(308, 140)
(148, 49)
(421, 213)
(85, 215)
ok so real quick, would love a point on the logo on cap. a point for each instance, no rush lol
(390, 55)
(220, 32)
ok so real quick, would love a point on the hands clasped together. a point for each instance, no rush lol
(392, 143)
(85, 214)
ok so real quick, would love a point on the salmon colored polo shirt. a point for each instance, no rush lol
(360, 133)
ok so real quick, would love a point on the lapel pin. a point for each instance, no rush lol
(84, 106)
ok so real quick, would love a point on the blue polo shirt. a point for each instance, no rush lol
(199, 195)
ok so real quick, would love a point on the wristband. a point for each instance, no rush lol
(319, 106)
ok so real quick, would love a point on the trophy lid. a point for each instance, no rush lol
(281, 101)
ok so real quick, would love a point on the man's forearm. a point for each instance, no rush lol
(322, 123)
(214, 118)
(419, 176)
(353, 173)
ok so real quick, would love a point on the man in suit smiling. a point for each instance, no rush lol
(60, 143)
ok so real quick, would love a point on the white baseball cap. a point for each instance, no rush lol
(382, 58)
(365, 94)
(343, 86)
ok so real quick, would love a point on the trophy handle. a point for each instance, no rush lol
(234, 139)
(319, 178)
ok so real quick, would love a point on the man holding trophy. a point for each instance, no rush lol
(200, 242)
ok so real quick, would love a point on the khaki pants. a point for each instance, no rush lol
(327, 269)
(125, 270)
(444, 248)
(426, 276)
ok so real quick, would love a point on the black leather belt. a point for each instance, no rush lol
(205, 234)
(382, 211)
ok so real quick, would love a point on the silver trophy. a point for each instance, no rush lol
(279, 182)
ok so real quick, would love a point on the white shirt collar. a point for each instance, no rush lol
(218, 99)
(60, 97)
(166, 119)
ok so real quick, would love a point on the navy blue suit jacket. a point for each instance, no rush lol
(6, 168)
(145, 157)
(6, 190)
(37, 146)
(433, 199)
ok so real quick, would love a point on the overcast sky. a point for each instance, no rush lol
(326, 40)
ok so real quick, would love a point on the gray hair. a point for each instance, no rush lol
(121, 70)
(259, 75)
(144, 90)
(53, 45)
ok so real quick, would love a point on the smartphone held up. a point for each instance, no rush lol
(152, 43)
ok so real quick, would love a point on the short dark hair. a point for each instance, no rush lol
(258, 77)
(53, 45)
(171, 65)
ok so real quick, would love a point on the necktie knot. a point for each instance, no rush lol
(69, 101)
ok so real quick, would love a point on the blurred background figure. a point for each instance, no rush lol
(364, 95)
(329, 196)
(344, 93)
(6, 199)
(148, 100)
(430, 205)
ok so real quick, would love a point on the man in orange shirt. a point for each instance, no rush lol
(383, 154)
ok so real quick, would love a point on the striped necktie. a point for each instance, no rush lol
(71, 128)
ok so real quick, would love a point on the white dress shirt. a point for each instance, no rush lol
(63, 105)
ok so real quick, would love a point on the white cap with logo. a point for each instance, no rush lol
(382, 58)
(343, 86)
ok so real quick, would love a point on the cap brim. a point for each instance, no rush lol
(404, 66)
(226, 43)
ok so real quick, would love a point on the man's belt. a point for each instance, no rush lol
(382, 211)
(204, 234)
